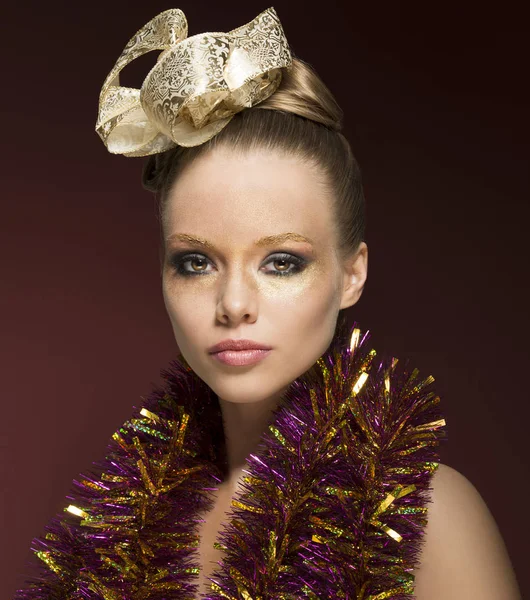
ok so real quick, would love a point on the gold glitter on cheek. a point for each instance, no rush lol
(189, 294)
(316, 276)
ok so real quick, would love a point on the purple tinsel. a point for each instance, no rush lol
(334, 504)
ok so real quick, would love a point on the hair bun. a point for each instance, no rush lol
(303, 93)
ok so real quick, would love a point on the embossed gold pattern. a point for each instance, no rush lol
(196, 86)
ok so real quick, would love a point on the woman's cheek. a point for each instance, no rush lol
(286, 289)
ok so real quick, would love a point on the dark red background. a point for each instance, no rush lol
(435, 99)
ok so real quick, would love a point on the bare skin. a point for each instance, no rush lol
(220, 280)
(209, 529)
(464, 556)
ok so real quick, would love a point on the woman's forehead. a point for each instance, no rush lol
(260, 187)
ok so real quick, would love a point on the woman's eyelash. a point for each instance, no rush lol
(179, 260)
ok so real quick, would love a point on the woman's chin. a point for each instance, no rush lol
(252, 391)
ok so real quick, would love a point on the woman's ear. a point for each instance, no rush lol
(355, 271)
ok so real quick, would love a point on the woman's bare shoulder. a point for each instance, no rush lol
(463, 554)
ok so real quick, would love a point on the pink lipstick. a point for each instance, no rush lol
(239, 353)
(240, 358)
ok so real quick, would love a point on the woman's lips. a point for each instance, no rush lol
(240, 358)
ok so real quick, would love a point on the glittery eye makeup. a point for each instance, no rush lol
(179, 260)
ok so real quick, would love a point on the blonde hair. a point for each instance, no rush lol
(301, 117)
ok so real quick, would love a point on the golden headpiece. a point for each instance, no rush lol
(197, 85)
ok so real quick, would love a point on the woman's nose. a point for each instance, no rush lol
(238, 299)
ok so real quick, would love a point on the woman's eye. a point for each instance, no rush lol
(282, 264)
(197, 264)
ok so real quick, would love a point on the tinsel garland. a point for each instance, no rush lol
(333, 504)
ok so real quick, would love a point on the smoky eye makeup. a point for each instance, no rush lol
(186, 263)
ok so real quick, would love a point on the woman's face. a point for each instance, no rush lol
(223, 279)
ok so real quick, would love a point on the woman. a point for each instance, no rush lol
(281, 460)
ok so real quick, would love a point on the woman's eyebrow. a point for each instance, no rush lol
(186, 237)
(264, 241)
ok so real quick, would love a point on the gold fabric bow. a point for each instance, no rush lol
(196, 86)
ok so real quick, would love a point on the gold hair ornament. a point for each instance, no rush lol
(196, 86)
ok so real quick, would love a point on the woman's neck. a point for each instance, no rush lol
(244, 424)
